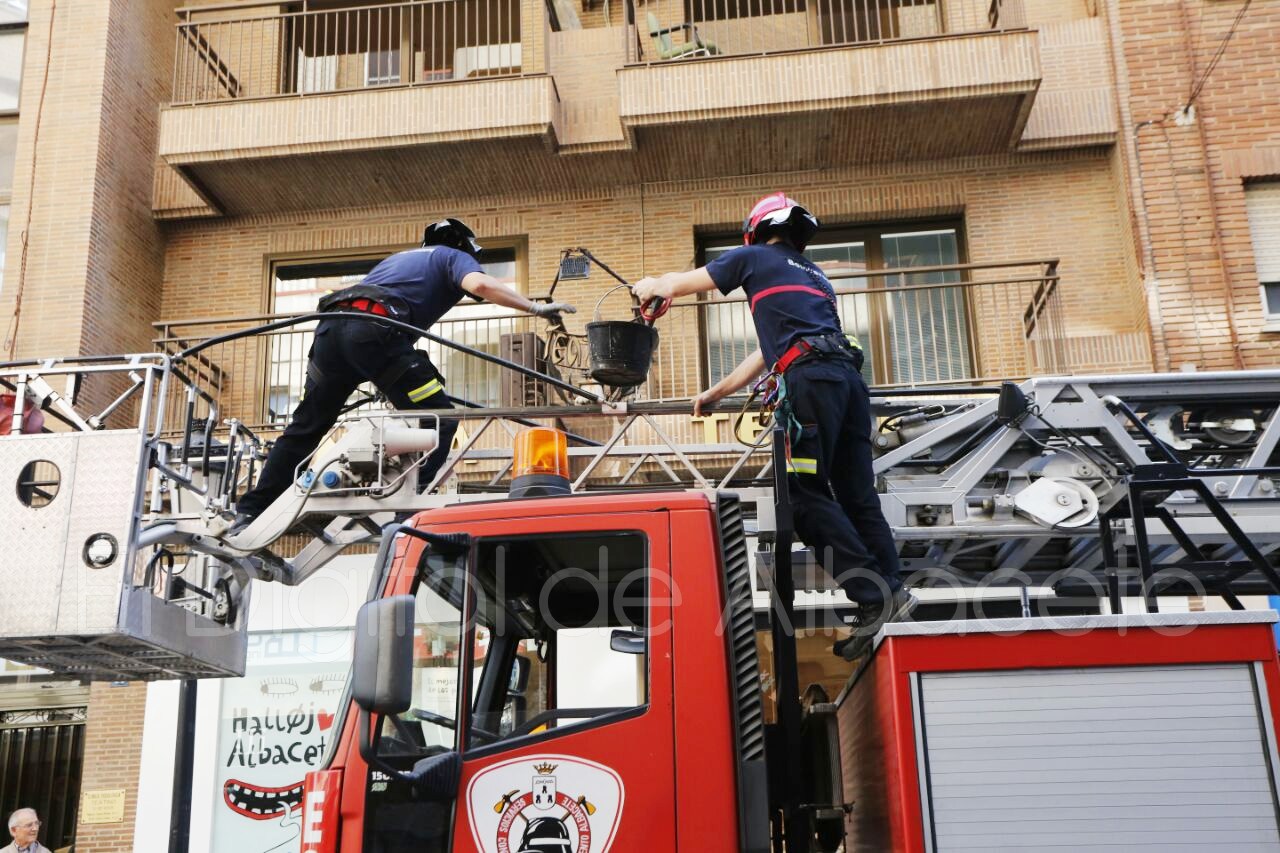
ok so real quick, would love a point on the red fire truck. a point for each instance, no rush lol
(1151, 731)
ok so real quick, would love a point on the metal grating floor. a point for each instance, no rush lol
(114, 657)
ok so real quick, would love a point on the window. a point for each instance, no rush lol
(11, 51)
(382, 68)
(913, 327)
(837, 21)
(437, 643)
(925, 334)
(316, 73)
(698, 11)
(298, 285)
(395, 819)
(4, 234)
(852, 21)
(1262, 201)
(558, 643)
(296, 290)
(560, 634)
(482, 326)
(13, 33)
(13, 11)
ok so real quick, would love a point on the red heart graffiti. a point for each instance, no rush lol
(325, 720)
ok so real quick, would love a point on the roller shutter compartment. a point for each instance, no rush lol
(1171, 758)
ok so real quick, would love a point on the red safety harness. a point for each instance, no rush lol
(798, 351)
(830, 346)
(368, 306)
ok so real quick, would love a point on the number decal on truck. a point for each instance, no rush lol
(551, 804)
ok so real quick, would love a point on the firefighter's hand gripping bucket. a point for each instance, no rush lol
(621, 350)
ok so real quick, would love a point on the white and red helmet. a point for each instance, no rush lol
(779, 212)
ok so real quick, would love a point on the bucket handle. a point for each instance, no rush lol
(646, 313)
(607, 293)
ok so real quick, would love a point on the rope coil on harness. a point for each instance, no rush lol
(770, 390)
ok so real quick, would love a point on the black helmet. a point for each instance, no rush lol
(452, 233)
(545, 835)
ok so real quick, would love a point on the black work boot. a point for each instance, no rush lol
(239, 523)
(870, 618)
(226, 524)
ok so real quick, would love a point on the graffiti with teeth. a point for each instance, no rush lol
(259, 802)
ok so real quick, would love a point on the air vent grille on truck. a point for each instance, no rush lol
(740, 629)
(744, 675)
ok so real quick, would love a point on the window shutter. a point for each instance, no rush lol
(1262, 201)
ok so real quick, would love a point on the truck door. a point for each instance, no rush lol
(568, 746)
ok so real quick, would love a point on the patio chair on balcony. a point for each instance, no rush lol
(695, 46)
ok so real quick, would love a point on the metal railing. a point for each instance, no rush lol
(259, 379)
(920, 326)
(701, 28)
(237, 52)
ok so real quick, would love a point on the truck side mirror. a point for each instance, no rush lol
(519, 676)
(627, 641)
(382, 680)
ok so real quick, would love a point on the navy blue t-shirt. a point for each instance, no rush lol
(428, 280)
(789, 297)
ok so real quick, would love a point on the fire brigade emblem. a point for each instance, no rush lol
(562, 805)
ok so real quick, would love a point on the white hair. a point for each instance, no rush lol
(14, 818)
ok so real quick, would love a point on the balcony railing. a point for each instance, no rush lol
(237, 52)
(923, 326)
(259, 379)
(737, 27)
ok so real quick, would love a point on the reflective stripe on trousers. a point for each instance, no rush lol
(426, 390)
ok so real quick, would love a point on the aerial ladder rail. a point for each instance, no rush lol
(1021, 484)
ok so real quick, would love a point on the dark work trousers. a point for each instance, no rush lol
(833, 492)
(347, 352)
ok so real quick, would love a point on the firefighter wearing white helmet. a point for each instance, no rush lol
(824, 403)
(415, 287)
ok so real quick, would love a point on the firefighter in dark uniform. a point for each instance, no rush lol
(824, 403)
(415, 287)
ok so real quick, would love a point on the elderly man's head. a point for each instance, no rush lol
(24, 826)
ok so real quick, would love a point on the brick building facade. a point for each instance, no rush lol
(169, 162)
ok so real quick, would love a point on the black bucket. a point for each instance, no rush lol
(620, 352)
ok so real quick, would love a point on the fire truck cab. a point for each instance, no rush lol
(466, 730)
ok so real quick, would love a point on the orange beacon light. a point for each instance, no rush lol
(540, 463)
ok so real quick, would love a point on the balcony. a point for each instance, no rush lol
(277, 110)
(828, 81)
